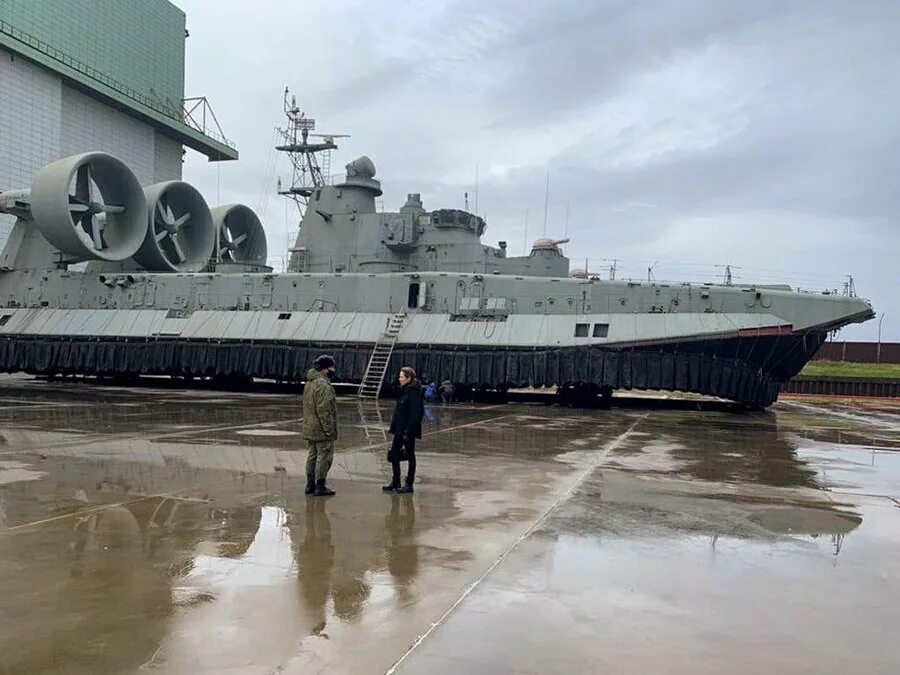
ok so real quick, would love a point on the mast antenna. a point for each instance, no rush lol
(307, 171)
(546, 201)
(525, 236)
(476, 190)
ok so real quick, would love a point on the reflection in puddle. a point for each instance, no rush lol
(284, 595)
(268, 559)
(247, 605)
(13, 472)
(855, 469)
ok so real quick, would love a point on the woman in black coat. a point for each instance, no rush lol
(406, 425)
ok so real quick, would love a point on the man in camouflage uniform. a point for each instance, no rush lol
(319, 424)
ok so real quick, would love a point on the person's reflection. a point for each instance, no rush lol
(402, 549)
(349, 588)
(315, 560)
(355, 544)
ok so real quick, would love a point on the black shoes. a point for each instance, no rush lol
(310, 483)
(397, 488)
(322, 490)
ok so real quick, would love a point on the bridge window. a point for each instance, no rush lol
(284, 316)
(4, 319)
(601, 330)
(581, 329)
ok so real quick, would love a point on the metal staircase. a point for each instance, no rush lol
(381, 356)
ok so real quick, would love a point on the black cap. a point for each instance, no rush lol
(323, 361)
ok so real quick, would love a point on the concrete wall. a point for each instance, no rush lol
(42, 119)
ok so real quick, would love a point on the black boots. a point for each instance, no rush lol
(393, 486)
(310, 483)
(322, 490)
(406, 489)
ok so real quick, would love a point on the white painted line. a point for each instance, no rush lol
(100, 507)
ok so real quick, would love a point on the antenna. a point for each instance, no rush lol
(467, 200)
(612, 270)
(567, 220)
(476, 191)
(287, 233)
(650, 276)
(546, 202)
(525, 238)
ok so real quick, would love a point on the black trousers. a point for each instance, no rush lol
(396, 449)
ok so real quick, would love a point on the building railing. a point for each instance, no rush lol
(198, 114)
(165, 107)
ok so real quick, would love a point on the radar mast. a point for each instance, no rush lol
(307, 171)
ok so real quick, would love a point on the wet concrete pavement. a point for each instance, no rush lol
(167, 531)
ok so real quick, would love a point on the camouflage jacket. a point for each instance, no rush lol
(319, 408)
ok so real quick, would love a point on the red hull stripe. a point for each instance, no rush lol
(787, 329)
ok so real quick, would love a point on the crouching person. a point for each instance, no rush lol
(406, 425)
(319, 425)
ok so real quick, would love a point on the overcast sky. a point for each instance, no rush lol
(686, 133)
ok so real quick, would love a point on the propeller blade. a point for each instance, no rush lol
(83, 183)
(162, 211)
(95, 234)
(170, 217)
(162, 234)
(240, 238)
(178, 252)
(181, 221)
(78, 208)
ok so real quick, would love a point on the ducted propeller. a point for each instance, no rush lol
(241, 235)
(180, 232)
(89, 206)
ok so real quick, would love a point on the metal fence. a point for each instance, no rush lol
(859, 352)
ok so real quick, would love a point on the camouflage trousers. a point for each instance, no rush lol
(319, 458)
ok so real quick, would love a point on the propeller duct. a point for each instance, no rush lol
(90, 207)
(180, 235)
(241, 237)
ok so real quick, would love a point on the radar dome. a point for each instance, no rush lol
(363, 167)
